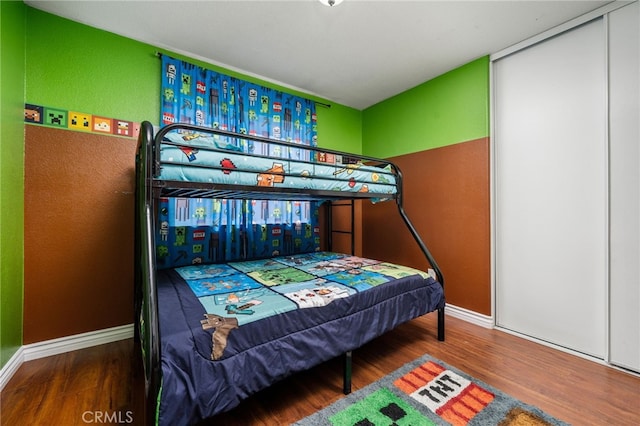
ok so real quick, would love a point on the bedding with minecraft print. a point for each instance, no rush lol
(243, 292)
(194, 157)
(229, 330)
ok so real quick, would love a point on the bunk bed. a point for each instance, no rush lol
(200, 354)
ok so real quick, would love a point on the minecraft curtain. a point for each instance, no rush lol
(216, 230)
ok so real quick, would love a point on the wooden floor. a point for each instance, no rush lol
(104, 385)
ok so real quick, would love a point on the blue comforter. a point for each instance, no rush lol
(264, 341)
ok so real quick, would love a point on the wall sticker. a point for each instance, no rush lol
(80, 121)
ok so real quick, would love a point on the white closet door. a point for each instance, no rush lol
(624, 131)
(550, 190)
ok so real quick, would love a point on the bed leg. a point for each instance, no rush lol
(346, 387)
(441, 324)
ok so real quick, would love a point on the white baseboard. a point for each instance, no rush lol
(77, 341)
(9, 369)
(469, 316)
(61, 345)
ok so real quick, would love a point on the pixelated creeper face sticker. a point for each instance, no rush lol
(55, 117)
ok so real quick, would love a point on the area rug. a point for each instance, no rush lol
(429, 392)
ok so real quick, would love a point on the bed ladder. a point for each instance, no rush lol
(341, 204)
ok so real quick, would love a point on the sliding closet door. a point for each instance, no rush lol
(550, 193)
(624, 131)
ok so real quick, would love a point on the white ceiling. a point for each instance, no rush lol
(356, 54)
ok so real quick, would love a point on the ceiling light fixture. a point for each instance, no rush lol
(331, 2)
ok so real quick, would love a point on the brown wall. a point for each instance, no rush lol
(79, 193)
(446, 197)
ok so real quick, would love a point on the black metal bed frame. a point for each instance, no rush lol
(149, 187)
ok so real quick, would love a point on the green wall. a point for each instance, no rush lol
(449, 109)
(79, 68)
(12, 59)
(340, 128)
(76, 67)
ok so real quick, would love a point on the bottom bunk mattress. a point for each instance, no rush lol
(230, 330)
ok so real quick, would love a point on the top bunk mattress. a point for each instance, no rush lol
(187, 155)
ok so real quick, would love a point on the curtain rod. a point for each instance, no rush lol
(322, 104)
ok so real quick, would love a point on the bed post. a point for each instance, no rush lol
(346, 383)
(145, 280)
